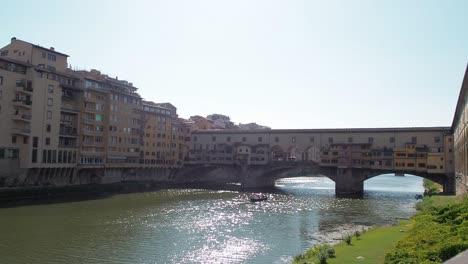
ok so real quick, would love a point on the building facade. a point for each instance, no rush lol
(417, 151)
(460, 132)
(63, 127)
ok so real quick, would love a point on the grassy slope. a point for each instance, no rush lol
(375, 243)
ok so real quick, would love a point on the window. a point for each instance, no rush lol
(35, 140)
(13, 139)
(25, 140)
(392, 139)
(312, 139)
(414, 140)
(228, 139)
(50, 88)
(244, 139)
(1, 80)
(50, 101)
(34, 156)
(330, 140)
(276, 139)
(51, 57)
(4, 53)
(436, 139)
(213, 138)
(48, 127)
(350, 140)
(49, 156)
(43, 55)
(293, 139)
(47, 141)
(99, 118)
(49, 114)
(260, 139)
(50, 68)
(370, 140)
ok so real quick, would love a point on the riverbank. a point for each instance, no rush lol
(374, 244)
(12, 197)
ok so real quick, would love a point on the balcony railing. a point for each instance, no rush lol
(71, 131)
(22, 102)
(24, 89)
(21, 130)
(22, 117)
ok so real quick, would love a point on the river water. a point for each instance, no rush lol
(199, 226)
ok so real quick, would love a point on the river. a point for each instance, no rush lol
(199, 226)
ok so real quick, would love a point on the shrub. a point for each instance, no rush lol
(438, 234)
(347, 238)
(357, 234)
(322, 258)
(331, 253)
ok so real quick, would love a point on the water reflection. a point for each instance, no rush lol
(198, 226)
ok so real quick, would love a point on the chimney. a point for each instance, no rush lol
(13, 39)
(52, 48)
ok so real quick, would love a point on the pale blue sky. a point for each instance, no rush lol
(285, 64)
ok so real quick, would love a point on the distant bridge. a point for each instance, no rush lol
(348, 181)
(346, 156)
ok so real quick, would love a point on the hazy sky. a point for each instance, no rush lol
(284, 64)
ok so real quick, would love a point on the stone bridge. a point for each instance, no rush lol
(257, 158)
(349, 182)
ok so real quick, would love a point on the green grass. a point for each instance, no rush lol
(430, 185)
(373, 245)
(437, 201)
(378, 241)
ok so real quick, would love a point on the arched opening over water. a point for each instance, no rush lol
(392, 182)
(406, 183)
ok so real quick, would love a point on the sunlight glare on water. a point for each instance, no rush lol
(199, 226)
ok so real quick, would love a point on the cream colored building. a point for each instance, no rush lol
(460, 131)
(61, 126)
(34, 114)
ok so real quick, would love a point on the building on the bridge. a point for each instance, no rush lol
(427, 152)
(460, 131)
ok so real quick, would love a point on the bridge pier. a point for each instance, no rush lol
(348, 182)
(449, 185)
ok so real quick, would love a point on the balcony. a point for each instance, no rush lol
(91, 153)
(23, 131)
(88, 121)
(92, 144)
(25, 90)
(70, 106)
(22, 103)
(68, 131)
(22, 117)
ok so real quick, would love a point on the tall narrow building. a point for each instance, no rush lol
(32, 80)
